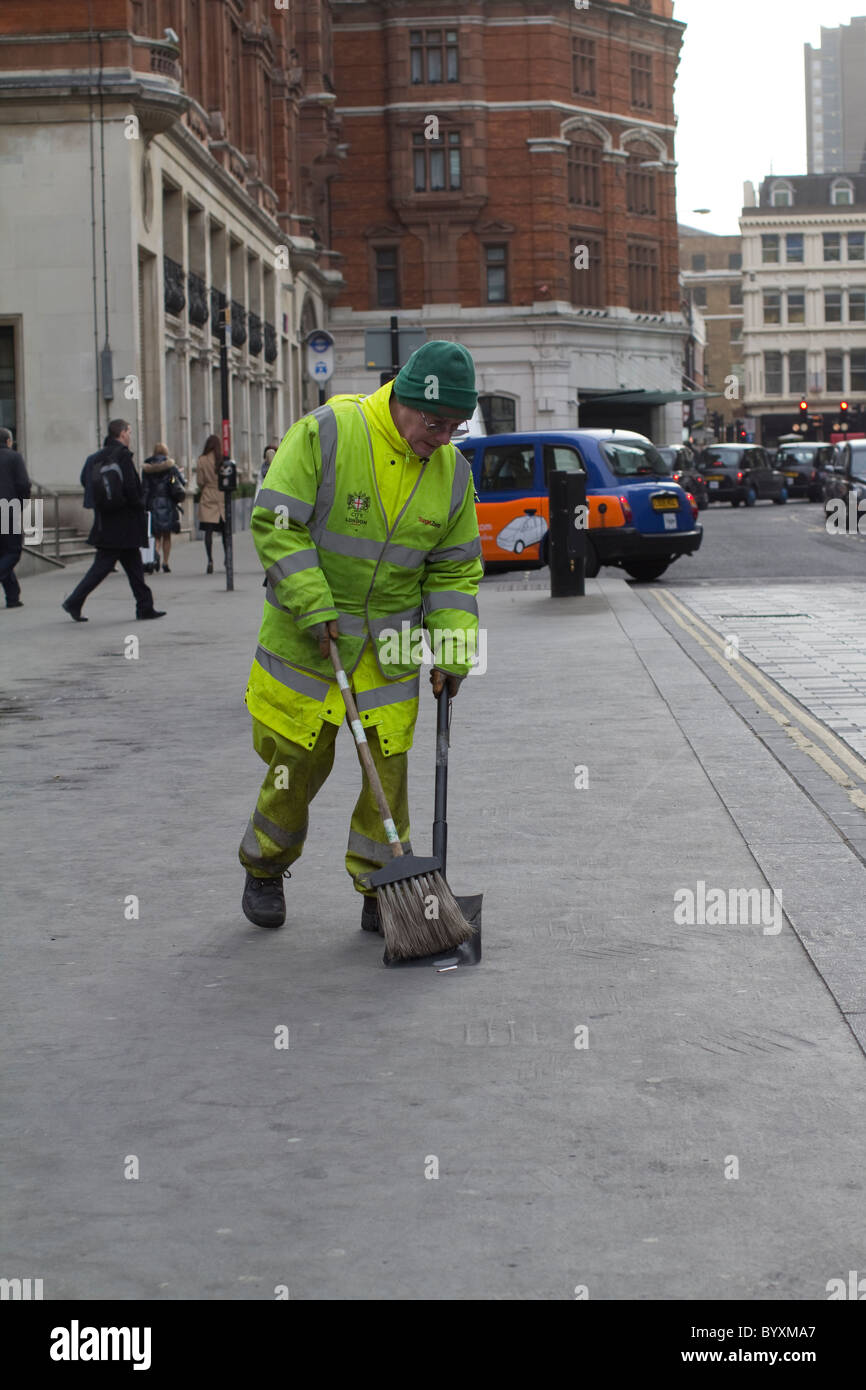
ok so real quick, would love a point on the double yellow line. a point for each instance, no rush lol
(790, 717)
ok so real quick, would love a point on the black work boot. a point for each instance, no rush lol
(263, 901)
(370, 915)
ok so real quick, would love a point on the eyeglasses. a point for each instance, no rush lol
(437, 426)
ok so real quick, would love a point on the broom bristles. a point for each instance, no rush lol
(408, 931)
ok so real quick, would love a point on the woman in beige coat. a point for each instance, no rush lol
(211, 504)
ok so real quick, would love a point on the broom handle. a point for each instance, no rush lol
(440, 802)
(364, 753)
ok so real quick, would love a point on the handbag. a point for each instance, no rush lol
(176, 489)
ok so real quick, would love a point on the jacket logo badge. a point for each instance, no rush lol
(358, 503)
(425, 522)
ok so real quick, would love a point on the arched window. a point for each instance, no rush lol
(640, 181)
(781, 195)
(842, 193)
(584, 169)
(499, 413)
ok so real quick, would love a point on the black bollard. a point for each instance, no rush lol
(569, 519)
(228, 481)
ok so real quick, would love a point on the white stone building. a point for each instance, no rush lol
(804, 304)
(529, 362)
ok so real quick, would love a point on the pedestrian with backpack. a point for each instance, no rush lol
(164, 490)
(120, 525)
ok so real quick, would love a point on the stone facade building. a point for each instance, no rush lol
(173, 158)
(713, 278)
(804, 304)
(509, 182)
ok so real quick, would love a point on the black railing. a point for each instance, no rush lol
(173, 296)
(256, 338)
(270, 343)
(239, 324)
(197, 290)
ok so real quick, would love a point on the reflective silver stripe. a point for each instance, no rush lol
(451, 598)
(284, 838)
(292, 564)
(412, 616)
(250, 845)
(372, 849)
(327, 422)
(358, 547)
(403, 556)
(298, 510)
(391, 694)
(352, 624)
(314, 686)
(467, 551)
(462, 474)
(274, 601)
(251, 851)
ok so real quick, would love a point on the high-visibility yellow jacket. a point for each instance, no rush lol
(351, 525)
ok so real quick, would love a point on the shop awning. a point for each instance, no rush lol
(626, 397)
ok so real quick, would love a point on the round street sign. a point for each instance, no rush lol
(320, 355)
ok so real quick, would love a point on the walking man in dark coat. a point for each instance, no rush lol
(117, 534)
(14, 485)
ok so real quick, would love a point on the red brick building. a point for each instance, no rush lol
(509, 181)
(208, 127)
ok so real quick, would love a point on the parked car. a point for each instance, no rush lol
(830, 472)
(684, 471)
(800, 465)
(638, 518)
(848, 481)
(738, 473)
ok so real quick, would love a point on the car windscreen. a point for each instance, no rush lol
(797, 455)
(729, 459)
(634, 458)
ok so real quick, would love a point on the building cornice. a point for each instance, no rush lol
(753, 220)
(480, 105)
(714, 276)
(416, 21)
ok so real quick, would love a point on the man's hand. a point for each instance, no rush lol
(323, 632)
(438, 679)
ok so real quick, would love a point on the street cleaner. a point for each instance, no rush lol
(367, 531)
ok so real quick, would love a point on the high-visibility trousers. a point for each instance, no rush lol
(277, 830)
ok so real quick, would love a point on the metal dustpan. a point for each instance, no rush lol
(469, 952)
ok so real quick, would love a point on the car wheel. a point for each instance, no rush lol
(735, 501)
(751, 497)
(703, 502)
(592, 566)
(645, 570)
(783, 497)
(519, 547)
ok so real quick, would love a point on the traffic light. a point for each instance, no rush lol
(804, 409)
(843, 407)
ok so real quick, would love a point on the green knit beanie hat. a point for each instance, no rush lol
(438, 379)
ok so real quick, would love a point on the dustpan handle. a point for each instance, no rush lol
(440, 802)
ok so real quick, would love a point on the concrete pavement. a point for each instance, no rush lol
(615, 1101)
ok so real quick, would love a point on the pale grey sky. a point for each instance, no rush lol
(740, 98)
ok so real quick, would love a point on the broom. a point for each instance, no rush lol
(417, 910)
